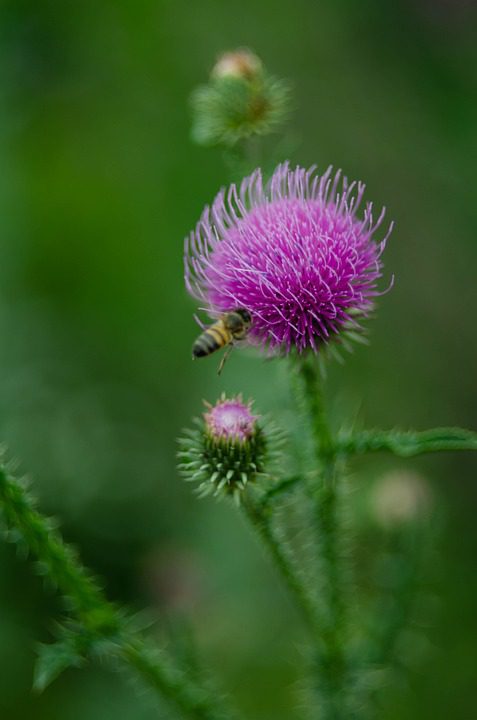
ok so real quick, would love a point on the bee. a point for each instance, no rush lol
(229, 327)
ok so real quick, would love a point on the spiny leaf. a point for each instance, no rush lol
(407, 444)
(53, 660)
(99, 628)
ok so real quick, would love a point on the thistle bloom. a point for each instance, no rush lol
(296, 253)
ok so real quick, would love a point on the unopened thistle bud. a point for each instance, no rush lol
(240, 100)
(227, 451)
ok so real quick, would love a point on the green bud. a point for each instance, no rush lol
(240, 100)
(228, 450)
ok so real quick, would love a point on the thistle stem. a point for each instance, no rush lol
(260, 522)
(280, 488)
(193, 700)
(315, 407)
(331, 660)
(105, 620)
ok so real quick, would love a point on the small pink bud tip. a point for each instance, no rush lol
(230, 419)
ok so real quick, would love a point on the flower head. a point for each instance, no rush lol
(228, 450)
(296, 253)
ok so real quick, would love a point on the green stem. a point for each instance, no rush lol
(331, 660)
(407, 444)
(315, 407)
(98, 616)
(242, 158)
(193, 700)
(281, 487)
(398, 594)
(260, 522)
(390, 613)
(57, 560)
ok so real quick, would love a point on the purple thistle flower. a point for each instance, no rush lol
(294, 253)
(230, 419)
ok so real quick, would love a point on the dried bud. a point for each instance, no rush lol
(241, 63)
(239, 101)
(227, 451)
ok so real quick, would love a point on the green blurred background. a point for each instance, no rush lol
(99, 185)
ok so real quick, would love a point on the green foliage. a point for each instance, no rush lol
(99, 174)
(272, 537)
(99, 628)
(303, 520)
(54, 658)
(407, 443)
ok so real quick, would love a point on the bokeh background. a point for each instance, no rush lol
(99, 184)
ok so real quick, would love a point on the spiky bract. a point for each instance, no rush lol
(227, 450)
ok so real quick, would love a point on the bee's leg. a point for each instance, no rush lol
(199, 322)
(224, 358)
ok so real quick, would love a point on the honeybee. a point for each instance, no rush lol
(229, 327)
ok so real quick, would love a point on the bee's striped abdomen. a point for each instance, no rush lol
(212, 339)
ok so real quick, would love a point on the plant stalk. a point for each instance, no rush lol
(331, 659)
(100, 618)
(260, 522)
